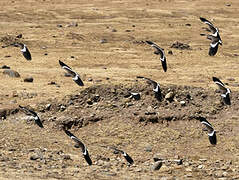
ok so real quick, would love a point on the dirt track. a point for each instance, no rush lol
(99, 113)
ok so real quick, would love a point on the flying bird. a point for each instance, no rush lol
(126, 156)
(25, 51)
(32, 113)
(81, 145)
(156, 87)
(211, 132)
(133, 95)
(159, 51)
(214, 37)
(75, 76)
(225, 91)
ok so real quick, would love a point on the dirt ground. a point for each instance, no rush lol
(104, 41)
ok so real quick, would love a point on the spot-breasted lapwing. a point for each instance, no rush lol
(225, 91)
(211, 132)
(159, 51)
(32, 113)
(25, 51)
(81, 145)
(75, 76)
(156, 87)
(126, 156)
(214, 37)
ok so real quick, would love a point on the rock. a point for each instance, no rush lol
(59, 25)
(34, 157)
(203, 160)
(19, 36)
(72, 24)
(231, 79)
(5, 67)
(179, 45)
(90, 79)
(200, 167)
(170, 52)
(187, 24)
(47, 107)
(157, 165)
(103, 41)
(183, 103)
(127, 30)
(148, 148)
(169, 96)
(28, 79)
(114, 30)
(178, 161)
(11, 73)
(66, 157)
(3, 113)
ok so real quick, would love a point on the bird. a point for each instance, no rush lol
(161, 52)
(81, 145)
(126, 156)
(214, 37)
(75, 76)
(133, 95)
(25, 51)
(211, 132)
(156, 87)
(32, 113)
(225, 91)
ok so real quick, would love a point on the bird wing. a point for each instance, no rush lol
(28, 111)
(26, 53)
(63, 64)
(78, 80)
(211, 26)
(158, 49)
(126, 156)
(155, 84)
(220, 85)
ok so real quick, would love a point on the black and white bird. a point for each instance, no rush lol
(214, 37)
(225, 91)
(156, 87)
(25, 51)
(81, 145)
(211, 132)
(159, 51)
(126, 156)
(32, 113)
(75, 76)
(133, 95)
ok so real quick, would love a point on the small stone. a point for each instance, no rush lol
(5, 67)
(127, 30)
(114, 30)
(59, 25)
(34, 157)
(19, 36)
(90, 79)
(28, 79)
(203, 160)
(188, 24)
(178, 161)
(3, 113)
(48, 106)
(11, 73)
(148, 148)
(46, 54)
(103, 41)
(157, 165)
(231, 79)
(170, 52)
(72, 57)
(66, 157)
(183, 103)
(200, 167)
(169, 96)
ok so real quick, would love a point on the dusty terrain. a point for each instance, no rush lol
(104, 42)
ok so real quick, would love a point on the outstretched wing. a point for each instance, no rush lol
(211, 26)
(149, 81)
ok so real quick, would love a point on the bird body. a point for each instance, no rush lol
(214, 37)
(32, 113)
(159, 51)
(81, 145)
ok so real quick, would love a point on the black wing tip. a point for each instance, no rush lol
(202, 19)
(129, 159)
(149, 42)
(215, 78)
(213, 139)
(140, 77)
(88, 159)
